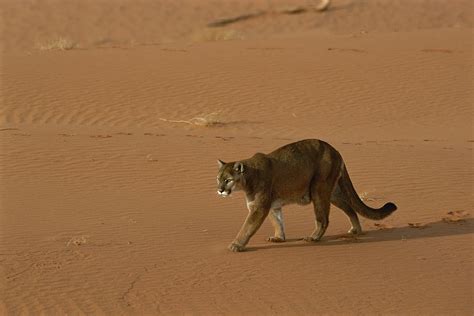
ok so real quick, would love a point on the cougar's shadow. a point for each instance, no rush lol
(435, 229)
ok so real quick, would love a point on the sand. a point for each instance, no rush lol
(108, 199)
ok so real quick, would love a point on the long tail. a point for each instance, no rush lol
(357, 204)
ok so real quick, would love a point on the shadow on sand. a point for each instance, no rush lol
(435, 229)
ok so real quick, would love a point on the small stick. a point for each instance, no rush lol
(323, 6)
(175, 121)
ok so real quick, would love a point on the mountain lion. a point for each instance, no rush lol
(302, 172)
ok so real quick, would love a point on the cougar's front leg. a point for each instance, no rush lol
(276, 217)
(255, 218)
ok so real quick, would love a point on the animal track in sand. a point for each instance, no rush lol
(15, 275)
(349, 143)
(436, 50)
(47, 265)
(100, 136)
(78, 240)
(150, 157)
(224, 138)
(174, 50)
(456, 217)
(124, 296)
(128, 219)
(266, 48)
(353, 50)
(153, 134)
(8, 129)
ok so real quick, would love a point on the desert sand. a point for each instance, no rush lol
(108, 199)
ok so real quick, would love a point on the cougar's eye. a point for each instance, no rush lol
(228, 180)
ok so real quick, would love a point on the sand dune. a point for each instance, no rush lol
(107, 192)
(123, 23)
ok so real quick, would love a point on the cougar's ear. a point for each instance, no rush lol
(220, 163)
(239, 167)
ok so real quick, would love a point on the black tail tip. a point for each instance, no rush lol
(389, 207)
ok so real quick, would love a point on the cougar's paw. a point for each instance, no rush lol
(354, 231)
(236, 247)
(275, 239)
(311, 239)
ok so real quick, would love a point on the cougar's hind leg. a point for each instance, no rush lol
(337, 198)
(276, 217)
(321, 204)
(322, 186)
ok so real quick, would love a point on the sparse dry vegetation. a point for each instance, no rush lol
(206, 120)
(214, 35)
(59, 43)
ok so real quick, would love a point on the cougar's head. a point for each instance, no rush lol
(229, 177)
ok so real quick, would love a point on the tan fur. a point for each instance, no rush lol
(301, 172)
